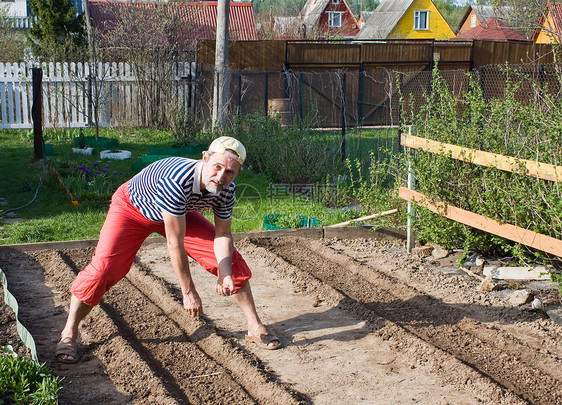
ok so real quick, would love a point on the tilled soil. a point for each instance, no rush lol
(361, 321)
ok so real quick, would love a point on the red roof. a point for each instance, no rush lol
(201, 18)
(491, 30)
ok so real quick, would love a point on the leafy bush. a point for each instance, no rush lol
(293, 154)
(374, 186)
(184, 125)
(23, 381)
(288, 221)
(526, 123)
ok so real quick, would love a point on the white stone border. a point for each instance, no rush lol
(83, 151)
(121, 155)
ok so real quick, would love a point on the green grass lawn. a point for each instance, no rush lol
(37, 197)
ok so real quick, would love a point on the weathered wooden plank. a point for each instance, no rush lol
(533, 168)
(10, 93)
(3, 105)
(25, 92)
(514, 233)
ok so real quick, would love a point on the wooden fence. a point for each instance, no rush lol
(514, 233)
(72, 90)
(367, 55)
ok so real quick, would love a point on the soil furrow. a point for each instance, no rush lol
(239, 365)
(120, 374)
(516, 367)
(361, 321)
(449, 369)
(167, 349)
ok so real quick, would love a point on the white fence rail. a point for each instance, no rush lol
(70, 92)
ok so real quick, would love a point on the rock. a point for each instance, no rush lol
(479, 263)
(555, 313)
(422, 251)
(488, 284)
(537, 304)
(520, 297)
(470, 262)
(439, 252)
(517, 273)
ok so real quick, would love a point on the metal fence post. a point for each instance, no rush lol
(410, 234)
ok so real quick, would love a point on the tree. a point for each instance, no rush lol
(525, 15)
(58, 34)
(276, 7)
(152, 37)
(452, 12)
(12, 41)
(358, 6)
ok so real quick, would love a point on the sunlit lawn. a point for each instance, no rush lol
(35, 195)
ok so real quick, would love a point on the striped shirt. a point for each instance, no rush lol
(173, 185)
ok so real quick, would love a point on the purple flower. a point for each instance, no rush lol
(98, 172)
(105, 170)
(96, 164)
(81, 167)
(88, 171)
(115, 172)
(107, 166)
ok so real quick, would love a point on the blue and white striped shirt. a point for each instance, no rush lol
(173, 185)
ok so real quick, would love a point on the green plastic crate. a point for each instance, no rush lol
(145, 160)
(305, 222)
(49, 150)
(101, 142)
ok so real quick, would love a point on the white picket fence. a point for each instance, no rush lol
(69, 92)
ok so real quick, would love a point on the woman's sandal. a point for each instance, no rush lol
(263, 339)
(66, 347)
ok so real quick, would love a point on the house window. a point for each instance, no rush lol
(473, 21)
(335, 1)
(334, 19)
(421, 19)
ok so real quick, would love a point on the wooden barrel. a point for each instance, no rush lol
(281, 108)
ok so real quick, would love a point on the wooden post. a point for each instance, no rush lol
(343, 122)
(37, 112)
(410, 235)
(221, 64)
(365, 218)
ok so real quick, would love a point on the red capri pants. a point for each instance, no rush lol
(122, 235)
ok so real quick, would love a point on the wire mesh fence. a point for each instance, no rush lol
(352, 98)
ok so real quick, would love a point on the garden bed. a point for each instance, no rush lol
(360, 319)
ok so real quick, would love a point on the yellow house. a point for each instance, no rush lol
(406, 19)
(550, 25)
